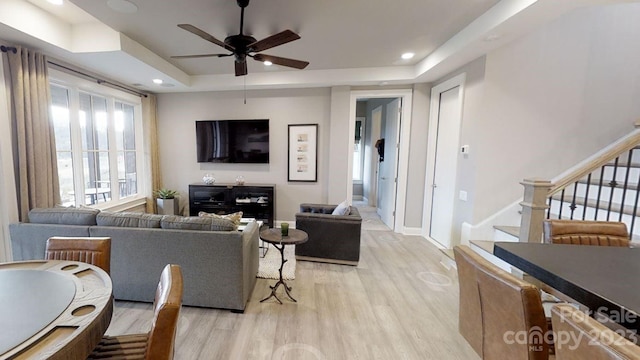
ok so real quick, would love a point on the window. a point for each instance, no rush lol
(97, 133)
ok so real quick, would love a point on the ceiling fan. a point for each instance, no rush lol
(242, 45)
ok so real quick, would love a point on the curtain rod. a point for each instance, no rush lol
(8, 48)
(76, 71)
(98, 80)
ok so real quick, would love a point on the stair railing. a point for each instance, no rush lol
(602, 188)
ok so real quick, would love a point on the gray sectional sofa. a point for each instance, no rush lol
(219, 264)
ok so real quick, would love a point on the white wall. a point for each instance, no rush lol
(555, 97)
(542, 103)
(177, 113)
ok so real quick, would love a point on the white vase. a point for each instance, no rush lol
(208, 179)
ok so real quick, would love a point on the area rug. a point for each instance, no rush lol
(270, 263)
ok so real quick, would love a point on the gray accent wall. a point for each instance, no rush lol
(339, 172)
(417, 156)
(178, 112)
(329, 108)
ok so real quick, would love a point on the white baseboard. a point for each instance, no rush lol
(412, 231)
(435, 243)
(484, 230)
(447, 262)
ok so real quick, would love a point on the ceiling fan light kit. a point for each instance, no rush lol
(242, 46)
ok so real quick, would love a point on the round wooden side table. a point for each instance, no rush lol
(274, 237)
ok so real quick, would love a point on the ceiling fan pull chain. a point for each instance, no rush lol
(245, 90)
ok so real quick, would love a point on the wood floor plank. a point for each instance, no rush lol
(400, 302)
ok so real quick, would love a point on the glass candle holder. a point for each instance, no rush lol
(284, 228)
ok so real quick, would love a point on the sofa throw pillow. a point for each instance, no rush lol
(62, 215)
(150, 220)
(118, 219)
(342, 209)
(234, 217)
(203, 223)
(128, 219)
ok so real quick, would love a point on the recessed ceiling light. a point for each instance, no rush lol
(268, 63)
(55, 2)
(122, 6)
(157, 81)
(408, 55)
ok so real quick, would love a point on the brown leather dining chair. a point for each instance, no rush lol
(91, 250)
(505, 304)
(586, 232)
(159, 342)
(582, 337)
(470, 314)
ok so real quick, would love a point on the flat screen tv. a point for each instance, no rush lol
(233, 141)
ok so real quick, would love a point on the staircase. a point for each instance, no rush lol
(605, 188)
(609, 193)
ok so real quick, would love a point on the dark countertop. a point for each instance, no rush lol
(605, 279)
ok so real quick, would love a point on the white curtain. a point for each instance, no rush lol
(34, 147)
(151, 157)
(8, 200)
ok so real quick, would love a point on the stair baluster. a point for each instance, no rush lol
(614, 203)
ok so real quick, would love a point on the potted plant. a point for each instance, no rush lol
(166, 201)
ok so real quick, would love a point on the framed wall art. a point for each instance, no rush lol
(303, 153)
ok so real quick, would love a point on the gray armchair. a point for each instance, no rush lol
(332, 238)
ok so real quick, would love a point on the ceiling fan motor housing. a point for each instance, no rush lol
(240, 43)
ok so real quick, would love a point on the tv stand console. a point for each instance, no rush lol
(254, 200)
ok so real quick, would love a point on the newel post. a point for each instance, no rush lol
(534, 205)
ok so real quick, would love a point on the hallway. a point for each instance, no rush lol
(370, 218)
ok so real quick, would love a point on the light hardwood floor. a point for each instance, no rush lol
(398, 303)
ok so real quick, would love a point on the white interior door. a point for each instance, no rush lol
(376, 123)
(389, 167)
(443, 188)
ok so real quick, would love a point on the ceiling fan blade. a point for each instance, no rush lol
(194, 30)
(241, 68)
(298, 64)
(280, 38)
(199, 56)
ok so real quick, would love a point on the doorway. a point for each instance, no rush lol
(388, 163)
(445, 120)
(372, 157)
(388, 194)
